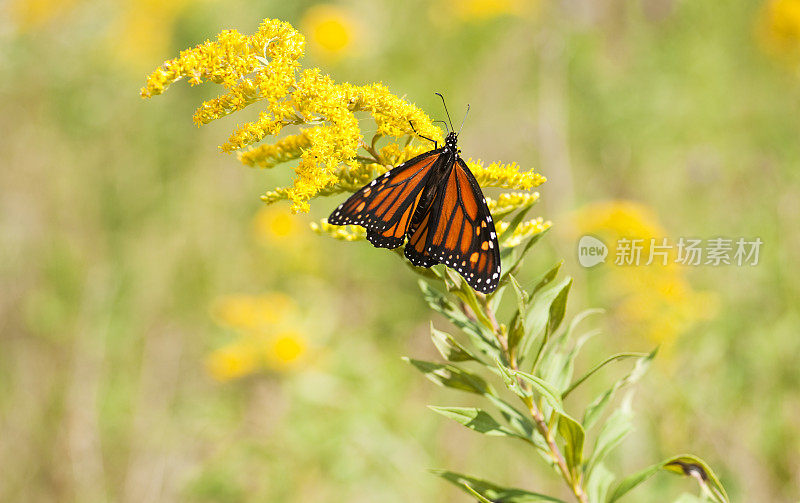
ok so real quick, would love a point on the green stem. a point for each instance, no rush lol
(573, 481)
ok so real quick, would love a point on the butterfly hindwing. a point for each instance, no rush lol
(418, 233)
(386, 205)
(460, 230)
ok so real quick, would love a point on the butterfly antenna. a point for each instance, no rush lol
(445, 124)
(464, 119)
(445, 111)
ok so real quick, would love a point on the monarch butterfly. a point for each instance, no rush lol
(435, 202)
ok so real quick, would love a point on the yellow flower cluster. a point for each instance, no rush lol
(523, 231)
(265, 68)
(341, 232)
(268, 338)
(507, 176)
(283, 150)
(509, 202)
(656, 300)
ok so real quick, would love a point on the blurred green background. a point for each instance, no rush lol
(137, 262)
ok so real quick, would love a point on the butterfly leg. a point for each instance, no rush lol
(435, 145)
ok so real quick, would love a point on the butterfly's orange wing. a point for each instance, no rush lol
(386, 205)
(458, 231)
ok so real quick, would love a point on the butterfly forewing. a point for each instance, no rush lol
(460, 230)
(386, 205)
(435, 202)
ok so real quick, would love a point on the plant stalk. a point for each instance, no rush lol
(574, 482)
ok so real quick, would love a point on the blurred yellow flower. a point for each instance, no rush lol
(287, 348)
(655, 301)
(468, 10)
(276, 224)
(268, 335)
(232, 361)
(253, 312)
(32, 14)
(778, 28)
(332, 30)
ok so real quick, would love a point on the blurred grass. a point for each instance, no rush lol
(122, 224)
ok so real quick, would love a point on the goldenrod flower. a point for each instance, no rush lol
(523, 231)
(331, 153)
(331, 30)
(341, 232)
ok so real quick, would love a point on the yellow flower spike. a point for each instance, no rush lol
(268, 156)
(232, 361)
(510, 201)
(506, 176)
(231, 57)
(341, 232)
(523, 231)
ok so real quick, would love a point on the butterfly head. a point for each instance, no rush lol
(451, 142)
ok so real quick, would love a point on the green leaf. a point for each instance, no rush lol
(548, 277)
(512, 268)
(512, 226)
(452, 377)
(598, 483)
(572, 433)
(483, 340)
(596, 408)
(517, 331)
(545, 389)
(614, 431)
(475, 493)
(557, 367)
(685, 464)
(610, 359)
(450, 349)
(475, 419)
(558, 308)
(538, 319)
(493, 492)
(518, 420)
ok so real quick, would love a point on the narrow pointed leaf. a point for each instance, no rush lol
(475, 419)
(685, 464)
(452, 377)
(596, 408)
(572, 433)
(494, 492)
(450, 349)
